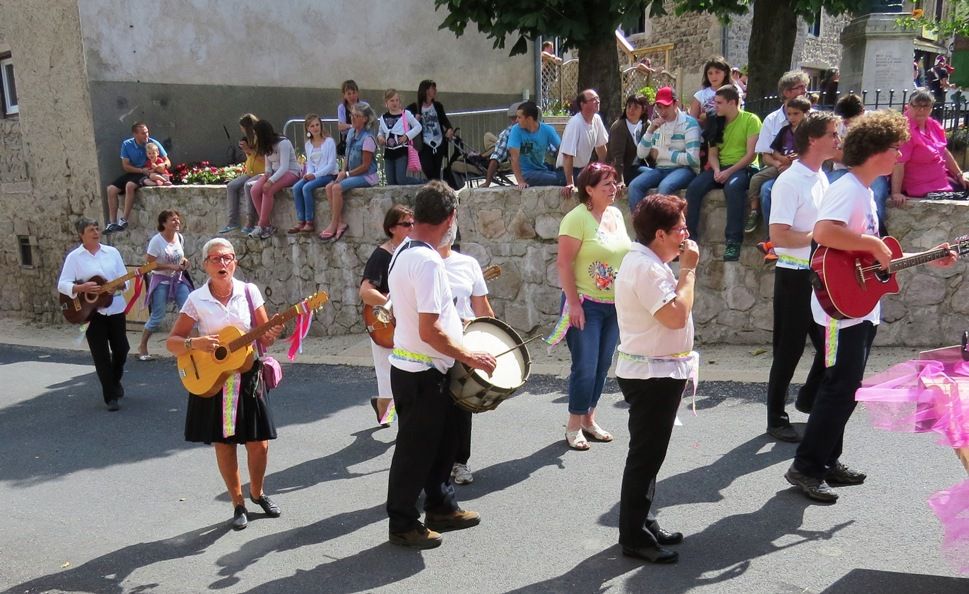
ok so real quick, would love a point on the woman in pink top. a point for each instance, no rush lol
(924, 163)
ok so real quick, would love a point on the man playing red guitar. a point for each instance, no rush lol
(797, 193)
(106, 332)
(847, 220)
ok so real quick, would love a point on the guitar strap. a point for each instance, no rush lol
(411, 243)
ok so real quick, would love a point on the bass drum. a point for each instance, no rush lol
(472, 389)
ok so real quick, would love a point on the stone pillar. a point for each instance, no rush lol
(877, 55)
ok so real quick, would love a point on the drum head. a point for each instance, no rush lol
(494, 336)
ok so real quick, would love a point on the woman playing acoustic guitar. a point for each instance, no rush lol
(239, 413)
(398, 224)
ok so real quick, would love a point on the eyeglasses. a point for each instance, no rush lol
(680, 229)
(223, 259)
(407, 224)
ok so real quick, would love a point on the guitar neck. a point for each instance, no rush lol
(257, 332)
(918, 259)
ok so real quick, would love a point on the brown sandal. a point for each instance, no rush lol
(297, 228)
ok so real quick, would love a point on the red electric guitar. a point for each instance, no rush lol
(850, 284)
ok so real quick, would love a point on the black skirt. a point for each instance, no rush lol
(254, 419)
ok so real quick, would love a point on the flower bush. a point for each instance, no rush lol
(203, 173)
(958, 139)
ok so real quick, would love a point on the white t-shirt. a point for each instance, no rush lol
(705, 98)
(644, 285)
(851, 203)
(794, 201)
(166, 253)
(466, 280)
(419, 284)
(212, 316)
(580, 138)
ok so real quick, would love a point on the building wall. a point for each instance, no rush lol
(190, 68)
(48, 169)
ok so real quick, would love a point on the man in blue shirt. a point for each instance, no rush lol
(527, 145)
(134, 162)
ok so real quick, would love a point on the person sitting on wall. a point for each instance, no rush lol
(527, 144)
(500, 153)
(850, 107)
(134, 162)
(924, 164)
(673, 139)
(624, 136)
(732, 160)
(791, 84)
(584, 134)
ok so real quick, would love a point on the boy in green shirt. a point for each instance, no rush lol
(731, 163)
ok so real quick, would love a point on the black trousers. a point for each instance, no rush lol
(431, 160)
(823, 438)
(427, 421)
(109, 348)
(793, 323)
(464, 436)
(652, 412)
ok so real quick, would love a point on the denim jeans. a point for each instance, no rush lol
(881, 188)
(545, 177)
(159, 304)
(592, 349)
(303, 196)
(666, 180)
(396, 171)
(765, 203)
(735, 192)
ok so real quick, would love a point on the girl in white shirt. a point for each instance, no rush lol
(320, 169)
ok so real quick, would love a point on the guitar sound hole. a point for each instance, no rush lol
(221, 353)
(882, 276)
(91, 298)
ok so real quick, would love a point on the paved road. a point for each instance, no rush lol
(118, 502)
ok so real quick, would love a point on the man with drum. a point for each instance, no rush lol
(470, 292)
(427, 342)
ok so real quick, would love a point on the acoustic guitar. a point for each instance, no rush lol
(80, 308)
(379, 319)
(850, 284)
(204, 373)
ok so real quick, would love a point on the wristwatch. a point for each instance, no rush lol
(188, 344)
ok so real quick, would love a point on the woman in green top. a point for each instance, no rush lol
(592, 244)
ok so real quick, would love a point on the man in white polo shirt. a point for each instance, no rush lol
(797, 193)
(427, 342)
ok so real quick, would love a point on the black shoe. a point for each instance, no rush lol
(268, 506)
(839, 474)
(113, 405)
(239, 518)
(664, 537)
(816, 489)
(651, 554)
(784, 433)
(804, 405)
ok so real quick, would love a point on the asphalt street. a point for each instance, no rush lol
(119, 502)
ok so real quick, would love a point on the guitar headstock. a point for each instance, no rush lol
(316, 301)
(492, 272)
(960, 245)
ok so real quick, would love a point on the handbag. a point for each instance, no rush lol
(413, 158)
(272, 372)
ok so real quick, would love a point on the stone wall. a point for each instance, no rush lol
(48, 170)
(517, 230)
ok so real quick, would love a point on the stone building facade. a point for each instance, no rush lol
(699, 36)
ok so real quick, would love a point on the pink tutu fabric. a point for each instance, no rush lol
(921, 396)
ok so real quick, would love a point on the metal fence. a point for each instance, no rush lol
(951, 114)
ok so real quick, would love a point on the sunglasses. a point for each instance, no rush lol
(406, 224)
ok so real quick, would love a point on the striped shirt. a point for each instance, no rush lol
(677, 143)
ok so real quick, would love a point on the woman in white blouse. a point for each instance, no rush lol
(226, 420)
(655, 361)
(320, 169)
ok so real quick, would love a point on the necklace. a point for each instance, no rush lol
(220, 297)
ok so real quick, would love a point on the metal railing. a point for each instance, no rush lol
(951, 114)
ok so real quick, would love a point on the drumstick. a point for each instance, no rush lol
(520, 344)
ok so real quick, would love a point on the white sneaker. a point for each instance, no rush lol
(462, 474)
(256, 232)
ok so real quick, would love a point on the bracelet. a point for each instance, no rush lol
(188, 344)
